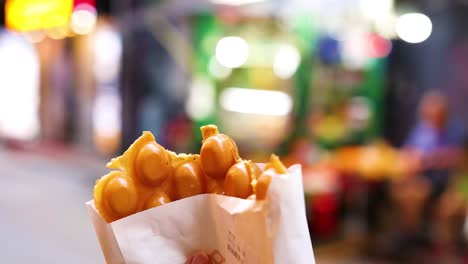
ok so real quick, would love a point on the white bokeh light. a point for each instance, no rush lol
(19, 87)
(286, 61)
(254, 101)
(373, 9)
(413, 27)
(107, 53)
(83, 19)
(232, 52)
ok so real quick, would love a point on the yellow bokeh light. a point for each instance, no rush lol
(27, 15)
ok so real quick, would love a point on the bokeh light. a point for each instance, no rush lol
(373, 9)
(107, 52)
(379, 47)
(286, 61)
(19, 87)
(413, 27)
(83, 19)
(232, 52)
(253, 101)
(26, 15)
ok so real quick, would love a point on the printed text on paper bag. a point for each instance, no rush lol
(235, 248)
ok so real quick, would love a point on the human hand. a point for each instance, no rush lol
(199, 257)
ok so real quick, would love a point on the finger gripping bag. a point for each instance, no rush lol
(229, 229)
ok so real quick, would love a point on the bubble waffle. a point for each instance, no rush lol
(147, 175)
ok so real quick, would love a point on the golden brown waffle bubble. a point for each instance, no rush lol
(239, 177)
(218, 152)
(152, 164)
(188, 179)
(116, 196)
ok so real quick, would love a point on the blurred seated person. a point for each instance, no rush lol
(431, 151)
(433, 143)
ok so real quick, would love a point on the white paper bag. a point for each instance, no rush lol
(229, 229)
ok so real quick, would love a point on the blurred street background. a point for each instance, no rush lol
(369, 96)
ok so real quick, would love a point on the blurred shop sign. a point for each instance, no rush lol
(28, 15)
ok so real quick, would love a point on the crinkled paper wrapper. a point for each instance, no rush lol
(230, 229)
